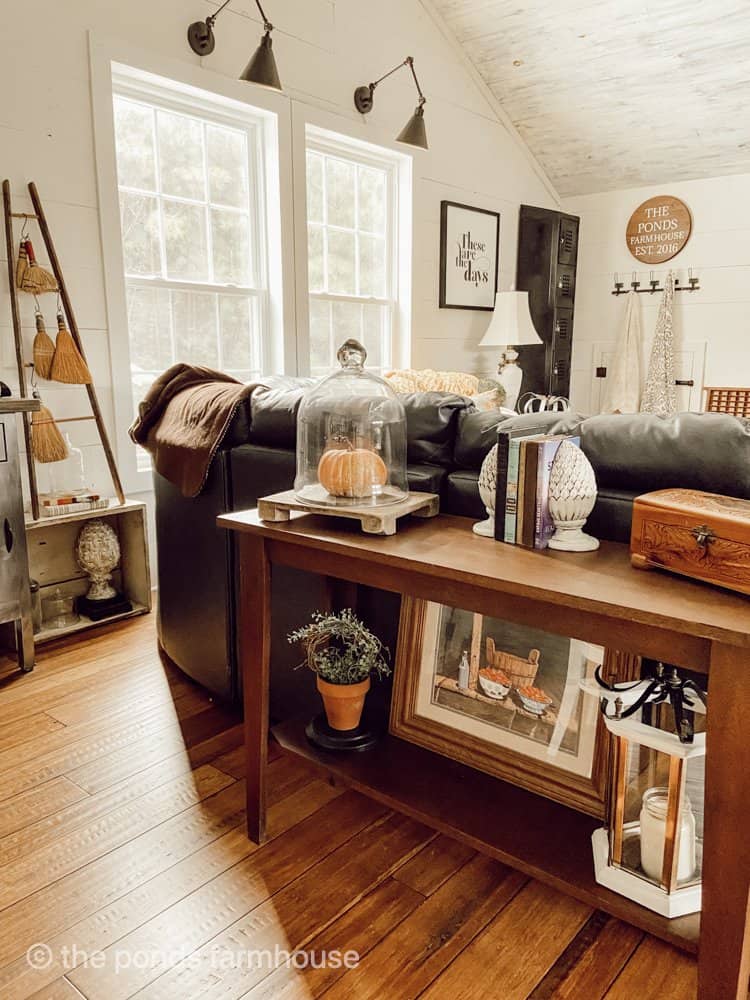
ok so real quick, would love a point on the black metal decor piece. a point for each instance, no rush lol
(546, 269)
(653, 285)
(663, 687)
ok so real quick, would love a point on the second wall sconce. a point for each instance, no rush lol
(262, 66)
(414, 132)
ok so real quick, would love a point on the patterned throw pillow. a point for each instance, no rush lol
(428, 380)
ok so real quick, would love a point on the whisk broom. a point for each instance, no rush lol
(47, 443)
(22, 263)
(44, 348)
(34, 279)
(68, 364)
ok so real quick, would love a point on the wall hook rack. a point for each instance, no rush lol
(653, 285)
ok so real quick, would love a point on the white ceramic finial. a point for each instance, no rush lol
(487, 491)
(572, 495)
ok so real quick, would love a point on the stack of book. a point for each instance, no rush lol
(524, 463)
(59, 506)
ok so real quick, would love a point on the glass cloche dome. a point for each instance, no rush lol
(351, 438)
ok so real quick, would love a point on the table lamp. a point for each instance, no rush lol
(511, 326)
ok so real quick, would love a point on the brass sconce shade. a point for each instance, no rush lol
(262, 66)
(414, 132)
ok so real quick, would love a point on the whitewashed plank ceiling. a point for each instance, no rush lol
(617, 93)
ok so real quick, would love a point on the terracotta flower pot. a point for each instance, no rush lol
(343, 703)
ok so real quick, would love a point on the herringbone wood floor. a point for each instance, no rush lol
(122, 844)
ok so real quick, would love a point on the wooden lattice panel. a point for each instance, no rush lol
(728, 399)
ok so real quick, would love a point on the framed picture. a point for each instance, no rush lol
(469, 249)
(505, 699)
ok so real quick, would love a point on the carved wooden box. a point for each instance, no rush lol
(702, 535)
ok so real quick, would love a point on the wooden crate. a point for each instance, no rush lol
(51, 548)
(728, 399)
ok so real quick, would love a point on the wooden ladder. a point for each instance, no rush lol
(96, 413)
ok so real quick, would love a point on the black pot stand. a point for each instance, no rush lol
(320, 734)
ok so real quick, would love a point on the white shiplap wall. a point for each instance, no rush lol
(324, 48)
(718, 251)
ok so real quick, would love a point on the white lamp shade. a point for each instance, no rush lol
(511, 322)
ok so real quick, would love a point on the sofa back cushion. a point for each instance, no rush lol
(431, 420)
(642, 452)
(477, 431)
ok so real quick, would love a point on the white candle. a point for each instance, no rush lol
(653, 835)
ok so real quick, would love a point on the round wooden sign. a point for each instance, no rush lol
(658, 229)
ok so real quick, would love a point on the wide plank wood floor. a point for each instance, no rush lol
(125, 870)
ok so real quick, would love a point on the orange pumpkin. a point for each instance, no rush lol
(351, 472)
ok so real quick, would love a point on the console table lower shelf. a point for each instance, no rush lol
(541, 838)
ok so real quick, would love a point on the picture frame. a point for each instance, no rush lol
(469, 256)
(561, 753)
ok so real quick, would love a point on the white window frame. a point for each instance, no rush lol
(323, 143)
(115, 66)
(321, 131)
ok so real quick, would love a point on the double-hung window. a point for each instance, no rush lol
(352, 225)
(190, 185)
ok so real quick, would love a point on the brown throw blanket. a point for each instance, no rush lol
(183, 420)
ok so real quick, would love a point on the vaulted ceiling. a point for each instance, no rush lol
(617, 93)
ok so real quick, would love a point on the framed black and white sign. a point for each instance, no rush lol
(469, 247)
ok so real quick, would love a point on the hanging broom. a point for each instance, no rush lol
(34, 278)
(22, 264)
(68, 364)
(47, 443)
(44, 348)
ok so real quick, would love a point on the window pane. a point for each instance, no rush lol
(227, 166)
(371, 266)
(315, 269)
(141, 383)
(140, 234)
(341, 262)
(185, 241)
(320, 337)
(230, 235)
(149, 328)
(372, 199)
(195, 333)
(135, 145)
(376, 334)
(237, 333)
(340, 192)
(314, 187)
(180, 155)
(347, 321)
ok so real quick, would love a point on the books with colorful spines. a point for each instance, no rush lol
(544, 527)
(506, 496)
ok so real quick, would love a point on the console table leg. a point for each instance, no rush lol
(724, 950)
(255, 663)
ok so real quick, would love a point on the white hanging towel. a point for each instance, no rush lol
(623, 389)
(660, 392)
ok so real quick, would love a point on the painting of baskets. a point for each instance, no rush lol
(519, 671)
(452, 694)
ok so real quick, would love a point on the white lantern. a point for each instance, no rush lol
(651, 849)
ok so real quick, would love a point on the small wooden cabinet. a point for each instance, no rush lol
(51, 547)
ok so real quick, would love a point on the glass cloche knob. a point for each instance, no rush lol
(352, 354)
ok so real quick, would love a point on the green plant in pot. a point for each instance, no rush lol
(343, 653)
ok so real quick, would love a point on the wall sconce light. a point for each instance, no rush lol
(262, 66)
(414, 132)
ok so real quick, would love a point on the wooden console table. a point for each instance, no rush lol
(593, 596)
